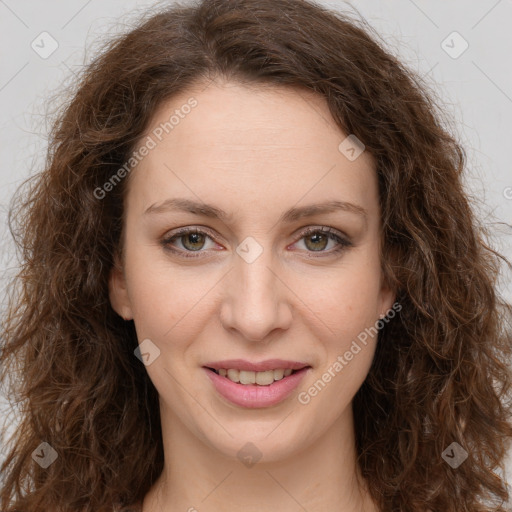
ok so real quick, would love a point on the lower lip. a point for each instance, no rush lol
(253, 395)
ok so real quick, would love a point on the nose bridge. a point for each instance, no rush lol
(255, 305)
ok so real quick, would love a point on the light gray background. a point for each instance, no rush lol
(475, 87)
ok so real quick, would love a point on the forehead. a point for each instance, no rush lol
(248, 142)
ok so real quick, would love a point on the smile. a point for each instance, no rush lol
(249, 377)
(253, 389)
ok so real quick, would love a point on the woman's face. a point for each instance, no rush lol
(252, 285)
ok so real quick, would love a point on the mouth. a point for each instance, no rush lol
(255, 378)
(256, 389)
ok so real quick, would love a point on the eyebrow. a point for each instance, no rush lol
(291, 215)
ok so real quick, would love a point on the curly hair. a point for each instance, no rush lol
(440, 372)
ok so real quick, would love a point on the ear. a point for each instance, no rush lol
(118, 292)
(389, 284)
(387, 298)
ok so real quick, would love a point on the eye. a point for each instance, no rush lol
(317, 240)
(193, 240)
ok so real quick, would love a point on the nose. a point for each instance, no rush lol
(257, 300)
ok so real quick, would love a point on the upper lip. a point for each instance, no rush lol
(261, 366)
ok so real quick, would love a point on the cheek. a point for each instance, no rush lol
(348, 307)
(162, 296)
(344, 301)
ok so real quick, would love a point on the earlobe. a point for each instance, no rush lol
(388, 299)
(118, 292)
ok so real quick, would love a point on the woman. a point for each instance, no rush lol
(252, 279)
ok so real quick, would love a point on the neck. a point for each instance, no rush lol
(200, 477)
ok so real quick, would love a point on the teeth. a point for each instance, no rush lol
(264, 378)
(278, 374)
(261, 378)
(247, 377)
(234, 375)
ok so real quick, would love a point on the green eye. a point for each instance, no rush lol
(193, 240)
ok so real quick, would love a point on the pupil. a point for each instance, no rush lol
(196, 239)
(316, 236)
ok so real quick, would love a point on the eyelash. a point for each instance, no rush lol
(331, 234)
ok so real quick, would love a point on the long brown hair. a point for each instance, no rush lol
(440, 372)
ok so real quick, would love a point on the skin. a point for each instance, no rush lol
(255, 152)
